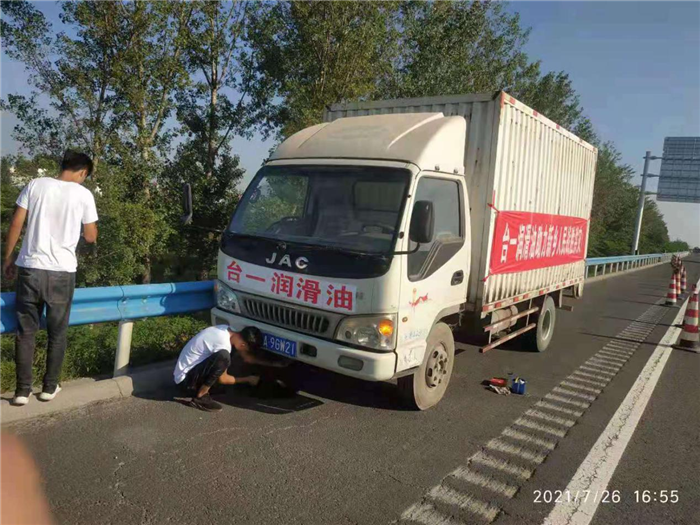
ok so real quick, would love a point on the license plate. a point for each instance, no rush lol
(280, 345)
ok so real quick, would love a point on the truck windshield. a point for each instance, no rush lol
(352, 208)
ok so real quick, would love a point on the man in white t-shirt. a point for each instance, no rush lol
(205, 359)
(45, 268)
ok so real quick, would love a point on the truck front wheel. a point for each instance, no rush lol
(428, 384)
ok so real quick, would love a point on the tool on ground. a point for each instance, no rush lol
(518, 386)
(690, 338)
(501, 390)
(498, 381)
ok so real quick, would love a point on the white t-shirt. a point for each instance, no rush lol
(205, 343)
(55, 210)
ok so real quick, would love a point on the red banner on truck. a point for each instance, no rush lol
(527, 241)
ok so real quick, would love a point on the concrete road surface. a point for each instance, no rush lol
(343, 451)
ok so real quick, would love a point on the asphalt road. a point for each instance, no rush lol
(343, 451)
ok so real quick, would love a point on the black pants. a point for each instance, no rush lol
(207, 372)
(37, 289)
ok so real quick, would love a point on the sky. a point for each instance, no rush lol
(635, 65)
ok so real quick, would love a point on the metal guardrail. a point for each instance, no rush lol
(127, 304)
(622, 263)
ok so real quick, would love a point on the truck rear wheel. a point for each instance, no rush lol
(426, 387)
(539, 338)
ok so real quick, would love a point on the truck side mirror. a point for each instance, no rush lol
(186, 204)
(422, 222)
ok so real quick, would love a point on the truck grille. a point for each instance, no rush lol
(295, 319)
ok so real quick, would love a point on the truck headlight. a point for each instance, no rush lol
(226, 299)
(377, 331)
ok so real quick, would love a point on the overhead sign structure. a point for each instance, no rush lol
(679, 176)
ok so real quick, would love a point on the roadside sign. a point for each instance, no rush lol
(679, 176)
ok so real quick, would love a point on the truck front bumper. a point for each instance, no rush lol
(376, 366)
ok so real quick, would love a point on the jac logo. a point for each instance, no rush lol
(285, 260)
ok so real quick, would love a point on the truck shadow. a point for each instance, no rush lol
(472, 344)
(267, 400)
(306, 388)
(335, 387)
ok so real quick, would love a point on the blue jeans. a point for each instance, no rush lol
(37, 289)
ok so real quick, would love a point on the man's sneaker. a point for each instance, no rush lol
(20, 401)
(205, 403)
(47, 395)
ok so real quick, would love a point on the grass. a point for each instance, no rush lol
(91, 348)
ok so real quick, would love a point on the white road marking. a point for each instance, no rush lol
(487, 482)
(603, 381)
(550, 418)
(535, 425)
(528, 438)
(482, 458)
(427, 515)
(615, 351)
(464, 501)
(583, 377)
(560, 390)
(594, 361)
(561, 399)
(550, 406)
(625, 346)
(515, 450)
(597, 469)
(597, 370)
(612, 356)
(527, 446)
(570, 384)
(616, 361)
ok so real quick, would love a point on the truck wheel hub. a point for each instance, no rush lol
(436, 370)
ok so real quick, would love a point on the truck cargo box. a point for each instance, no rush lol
(530, 185)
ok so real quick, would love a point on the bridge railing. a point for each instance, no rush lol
(601, 265)
(127, 304)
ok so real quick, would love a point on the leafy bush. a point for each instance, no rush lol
(91, 348)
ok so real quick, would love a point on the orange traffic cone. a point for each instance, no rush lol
(684, 280)
(671, 295)
(690, 338)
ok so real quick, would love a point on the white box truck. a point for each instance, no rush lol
(366, 240)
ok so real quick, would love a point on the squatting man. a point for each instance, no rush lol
(206, 358)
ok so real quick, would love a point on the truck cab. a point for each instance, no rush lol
(350, 249)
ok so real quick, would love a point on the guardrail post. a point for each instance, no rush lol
(121, 358)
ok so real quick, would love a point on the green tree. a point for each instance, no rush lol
(448, 48)
(76, 74)
(319, 53)
(111, 89)
(227, 99)
(677, 246)
(554, 96)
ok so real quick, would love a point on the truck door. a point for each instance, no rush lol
(434, 282)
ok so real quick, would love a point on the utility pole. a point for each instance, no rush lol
(640, 206)
(642, 199)
(676, 149)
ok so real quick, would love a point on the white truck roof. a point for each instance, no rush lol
(431, 141)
